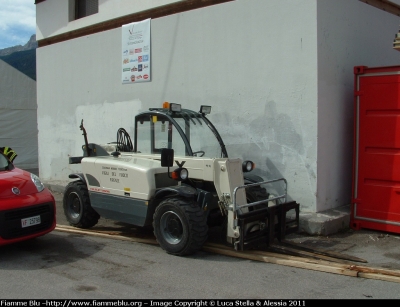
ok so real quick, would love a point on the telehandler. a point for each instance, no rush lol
(136, 183)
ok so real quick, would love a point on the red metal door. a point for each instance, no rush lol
(376, 180)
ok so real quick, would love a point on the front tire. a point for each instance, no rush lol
(180, 226)
(77, 208)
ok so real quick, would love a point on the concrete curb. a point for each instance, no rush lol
(56, 186)
(317, 224)
(325, 223)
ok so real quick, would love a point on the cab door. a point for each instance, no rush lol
(157, 131)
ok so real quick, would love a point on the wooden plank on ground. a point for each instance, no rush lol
(302, 253)
(325, 253)
(293, 263)
(263, 256)
(110, 235)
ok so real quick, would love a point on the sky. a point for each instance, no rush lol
(17, 22)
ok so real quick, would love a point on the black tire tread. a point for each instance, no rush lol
(89, 216)
(198, 228)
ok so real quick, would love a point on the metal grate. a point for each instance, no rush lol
(10, 220)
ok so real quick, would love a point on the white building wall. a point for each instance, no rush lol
(256, 62)
(350, 33)
(57, 17)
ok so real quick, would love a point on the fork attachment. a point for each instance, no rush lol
(267, 224)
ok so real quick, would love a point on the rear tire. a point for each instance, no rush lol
(77, 208)
(180, 226)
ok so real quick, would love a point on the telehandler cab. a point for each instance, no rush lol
(134, 183)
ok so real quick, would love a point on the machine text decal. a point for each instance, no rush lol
(99, 190)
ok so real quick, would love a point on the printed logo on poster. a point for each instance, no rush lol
(136, 40)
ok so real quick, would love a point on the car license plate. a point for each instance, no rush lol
(30, 221)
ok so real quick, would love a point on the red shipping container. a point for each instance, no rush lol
(376, 163)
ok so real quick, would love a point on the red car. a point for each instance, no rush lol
(27, 207)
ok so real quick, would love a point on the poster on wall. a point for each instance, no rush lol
(136, 52)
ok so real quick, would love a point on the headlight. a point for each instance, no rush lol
(248, 166)
(184, 174)
(39, 185)
(205, 110)
(180, 174)
(175, 107)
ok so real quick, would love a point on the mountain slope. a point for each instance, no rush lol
(24, 61)
(22, 58)
(31, 44)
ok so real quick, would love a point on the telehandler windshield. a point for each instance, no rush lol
(188, 133)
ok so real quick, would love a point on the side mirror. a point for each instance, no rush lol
(167, 157)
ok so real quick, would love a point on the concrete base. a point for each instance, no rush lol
(317, 224)
(325, 223)
(56, 186)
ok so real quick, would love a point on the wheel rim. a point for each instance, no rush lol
(171, 227)
(74, 205)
